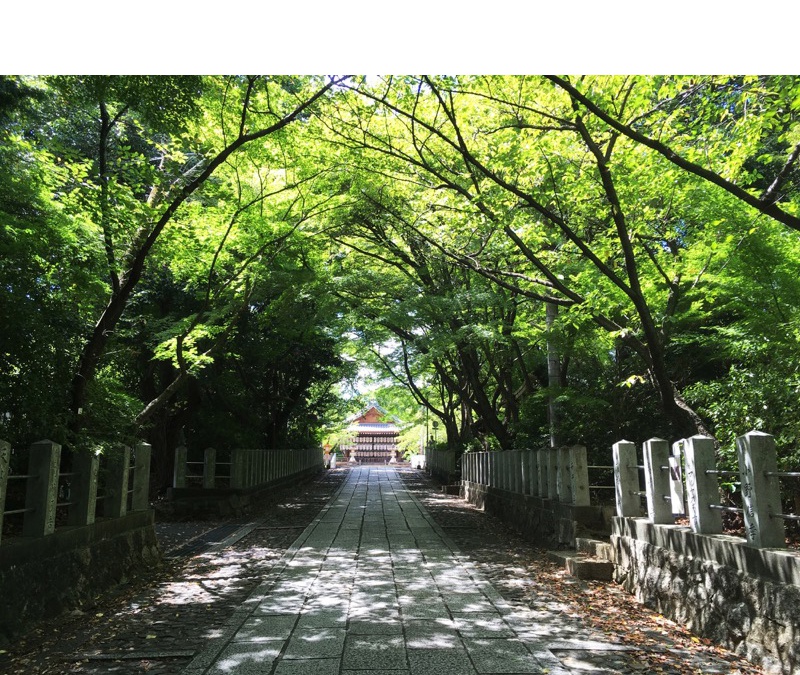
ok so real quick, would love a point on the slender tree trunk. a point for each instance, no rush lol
(554, 382)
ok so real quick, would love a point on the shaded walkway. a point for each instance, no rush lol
(374, 585)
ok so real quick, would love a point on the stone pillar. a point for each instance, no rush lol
(676, 494)
(179, 474)
(524, 471)
(518, 472)
(209, 468)
(5, 460)
(761, 493)
(115, 504)
(552, 474)
(533, 466)
(237, 468)
(542, 467)
(42, 491)
(141, 477)
(702, 489)
(656, 480)
(626, 479)
(579, 472)
(563, 480)
(85, 466)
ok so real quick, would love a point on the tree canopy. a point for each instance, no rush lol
(522, 257)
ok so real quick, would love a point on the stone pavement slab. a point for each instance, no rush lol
(372, 586)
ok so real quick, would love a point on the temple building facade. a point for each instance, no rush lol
(372, 437)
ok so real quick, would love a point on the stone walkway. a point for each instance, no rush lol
(357, 571)
(375, 586)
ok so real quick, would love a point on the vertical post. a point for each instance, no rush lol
(42, 491)
(179, 473)
(492, 468)
(761, 493)
(533, 487)
(5, 460)
(579, 472)
(237, 468)
(562, 477)
(85, 466)
(656, 480)
(524, 471)
(702, 488)
(677, 500)
(552, 474)
(118, 463)
(141, 477)
(209, 468)
(518, 472)
(626, 479)
(542, 464)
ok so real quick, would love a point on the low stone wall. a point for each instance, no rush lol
(42, 577)
(545, 521)
(743, 598)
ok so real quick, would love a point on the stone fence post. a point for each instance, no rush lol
(552, 474)
(533, 472)
(85, 466)
(542, 465)
(702, 486)
(140, 500)
(209, 468)
(563, 479)
(626, 479)
(761, 492)
(676, 494)
(179, 473)
(579, 473)
(118, 467)
(5, 460)
(656, 480)
(42, 490)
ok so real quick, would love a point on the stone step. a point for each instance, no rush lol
(582, 566)
(594, 548)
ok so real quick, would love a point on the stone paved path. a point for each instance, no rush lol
(375, 586)
(372, 585)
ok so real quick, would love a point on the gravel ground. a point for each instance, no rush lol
(156, 624)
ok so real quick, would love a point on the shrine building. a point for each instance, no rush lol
(371, 437)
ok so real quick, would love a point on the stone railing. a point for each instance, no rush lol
(664, 485)
(441, 464)
(124, 478)
(560, 474)
(544, 493)
(244, 468)
(740, 592)
(70, 534)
